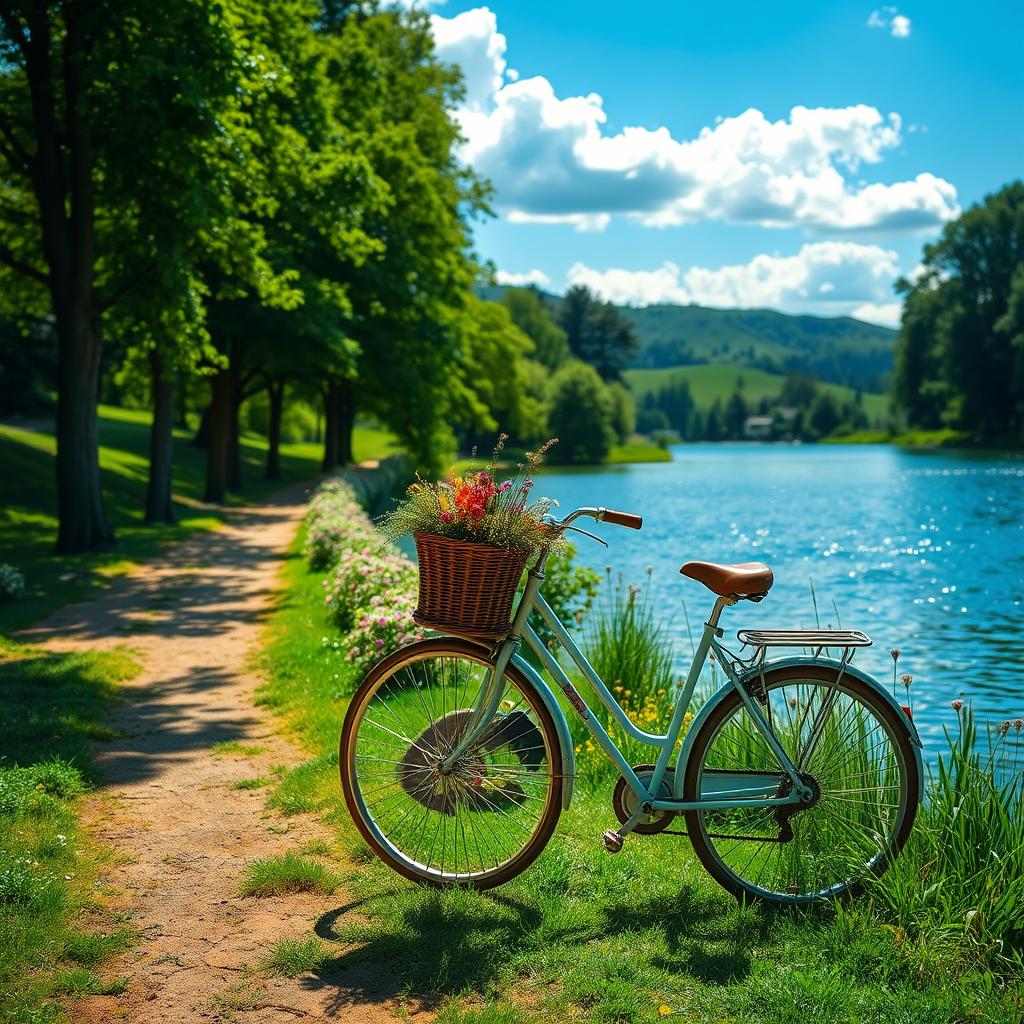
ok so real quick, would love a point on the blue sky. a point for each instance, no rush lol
(735, 154)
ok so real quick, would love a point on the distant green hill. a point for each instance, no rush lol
(836, 349)
(710, 381)
(839, 349)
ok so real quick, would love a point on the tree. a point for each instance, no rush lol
(410, 299)
(87, 90)
(735, 416)
(531, 315)
(597, 332)
(955, 360)
(713, 424)
(825, 415)
(580, 415)
(623, 411)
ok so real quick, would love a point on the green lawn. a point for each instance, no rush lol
(709, 381)
(55, 927)
(28, 522)
(584, 936)
(638, 453)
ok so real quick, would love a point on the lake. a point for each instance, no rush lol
(922, 550)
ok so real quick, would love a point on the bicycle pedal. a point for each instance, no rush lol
(612, 840)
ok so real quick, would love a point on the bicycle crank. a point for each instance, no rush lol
(624, 801)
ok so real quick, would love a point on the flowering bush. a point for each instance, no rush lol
(363, 574)
(12, 582)
(335, 522)
(382, 627)
(476, 507)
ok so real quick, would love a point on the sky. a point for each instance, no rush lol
(795, 156)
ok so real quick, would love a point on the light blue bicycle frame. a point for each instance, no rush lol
(718, 791)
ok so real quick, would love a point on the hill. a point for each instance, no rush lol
(837, 349)
(710, 381)
(840, 350)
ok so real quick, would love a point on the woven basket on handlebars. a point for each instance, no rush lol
(466, 588)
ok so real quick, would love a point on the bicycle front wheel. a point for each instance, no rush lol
(487, 817)
(862, 769)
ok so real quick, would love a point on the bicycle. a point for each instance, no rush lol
(796, 780)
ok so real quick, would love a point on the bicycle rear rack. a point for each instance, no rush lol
(816, 639)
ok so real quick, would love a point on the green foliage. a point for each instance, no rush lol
(276, 876)
(597, 332)
(570, 589)
(581, 414)
(960, 359)
(532, 315)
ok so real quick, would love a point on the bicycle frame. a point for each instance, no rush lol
(724, 789)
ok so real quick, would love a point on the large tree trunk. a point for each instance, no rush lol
(218, 437)
(235, 445)
(346, 421)
(275, 393)
(64, 194)
(330, 459)
(159, 506)
(202, 436)
(82, 523)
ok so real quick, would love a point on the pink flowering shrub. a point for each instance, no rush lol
(364, 573)
(335, 522)
(382, 627)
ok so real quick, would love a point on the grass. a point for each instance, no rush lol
(945, 438)
(292, 957)
(710, 381)
(28, 522)
(237, 747)
(55, 931)
(637, 452)
(275, 876)
(257, 783)
(589, 937)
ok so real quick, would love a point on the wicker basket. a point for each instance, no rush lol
(466, 588)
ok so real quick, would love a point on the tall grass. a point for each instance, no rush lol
(630, 652)
(960, 881)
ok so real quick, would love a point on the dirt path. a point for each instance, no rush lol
(184, 836)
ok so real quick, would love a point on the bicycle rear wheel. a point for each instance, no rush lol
(489, 817)
(864, 773)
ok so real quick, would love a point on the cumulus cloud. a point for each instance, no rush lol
(537, 277)
(552, 160)
(898, 25)
(826, 278)
(472, 41)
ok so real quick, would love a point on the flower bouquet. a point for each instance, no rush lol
(473, 536)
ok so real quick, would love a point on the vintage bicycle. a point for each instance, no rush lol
(796, 780)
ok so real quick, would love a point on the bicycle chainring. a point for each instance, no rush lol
(624, 801)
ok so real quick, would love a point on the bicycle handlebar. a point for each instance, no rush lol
(605, 515)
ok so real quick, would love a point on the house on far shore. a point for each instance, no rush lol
(757, 428)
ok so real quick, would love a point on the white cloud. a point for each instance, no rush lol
(887, 314)
(472, 41)
(537, 277)
(552, 161)
(890, 18)
(826, 278)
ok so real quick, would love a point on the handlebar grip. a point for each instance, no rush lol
(609, 515)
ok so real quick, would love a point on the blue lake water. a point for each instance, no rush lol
(922, 550)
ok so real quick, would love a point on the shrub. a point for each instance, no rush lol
(381, 628)
(12, 582)
(581, 414)
(363, 574)
(335, 522)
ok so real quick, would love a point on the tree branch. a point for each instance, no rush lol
(20, 267)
